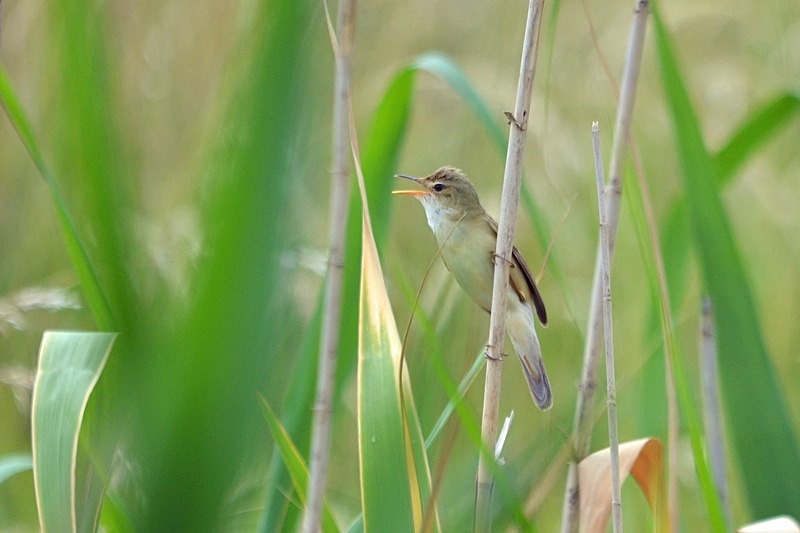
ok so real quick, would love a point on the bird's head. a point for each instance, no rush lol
(447, 189)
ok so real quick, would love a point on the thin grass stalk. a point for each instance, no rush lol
(670, 350)
(583, 410)
(608, 330)
(712, 414)
(340, 193)
(512, 180)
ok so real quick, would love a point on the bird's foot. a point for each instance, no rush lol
(513, 120)
(487, 354)
(495, 257)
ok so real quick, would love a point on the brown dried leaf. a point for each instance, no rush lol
(642, 459)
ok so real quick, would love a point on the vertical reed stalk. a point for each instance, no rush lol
(582, 422)
(505, 236)
(340, 192)
(608, 330)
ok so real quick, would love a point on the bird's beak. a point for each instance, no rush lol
(409, 193)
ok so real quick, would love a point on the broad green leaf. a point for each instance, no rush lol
(395, 480)
(763, 439)
(199, 411)
(70, 363)
(295, 464)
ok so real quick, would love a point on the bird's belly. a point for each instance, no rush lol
(473, 268)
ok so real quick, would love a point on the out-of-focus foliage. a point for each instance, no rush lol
(191, 144)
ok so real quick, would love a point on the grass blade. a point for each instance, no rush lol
(279, 513)
(644, 223)
(767, 456)
(70, 364)
(90, 283)
(295, 464)
(755, 131)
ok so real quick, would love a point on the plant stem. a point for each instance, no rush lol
(340, 192)
(582, 422)
(711, 409)
(505, 237)
(608, 330)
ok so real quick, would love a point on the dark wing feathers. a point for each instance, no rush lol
(538, 303)
(521, 266)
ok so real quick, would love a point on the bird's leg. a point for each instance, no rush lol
(488, 355)
(513, 120)
(494, 257)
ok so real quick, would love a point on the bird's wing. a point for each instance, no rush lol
(521, 279)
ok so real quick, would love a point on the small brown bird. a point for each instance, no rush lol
(468, 238)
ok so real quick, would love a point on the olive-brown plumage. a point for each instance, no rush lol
(467, 236)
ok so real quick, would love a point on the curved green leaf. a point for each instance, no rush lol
(70, 364)
(755, 131)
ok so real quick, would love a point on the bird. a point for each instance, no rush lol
(467, 237)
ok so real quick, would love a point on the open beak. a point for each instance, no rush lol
(410, 193)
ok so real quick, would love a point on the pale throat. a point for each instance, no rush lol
(441, 219)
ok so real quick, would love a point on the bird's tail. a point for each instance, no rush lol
(526, 343)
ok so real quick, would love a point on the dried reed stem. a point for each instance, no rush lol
(340, 192)
(608, 330)
(505, 237)
(583, 411)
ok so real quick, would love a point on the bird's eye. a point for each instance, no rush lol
(438, 187)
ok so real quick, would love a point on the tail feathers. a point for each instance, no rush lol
(538, 382)
(523, 337)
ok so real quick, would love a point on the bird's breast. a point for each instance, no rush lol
(467, 254)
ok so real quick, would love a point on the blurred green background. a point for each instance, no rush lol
(192, 142)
